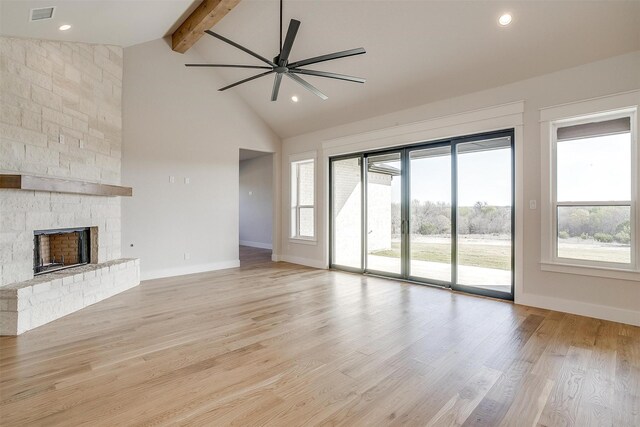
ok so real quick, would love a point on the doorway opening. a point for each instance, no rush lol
(256, 206)
(437, 213)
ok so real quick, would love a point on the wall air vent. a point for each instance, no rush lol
(42, 13)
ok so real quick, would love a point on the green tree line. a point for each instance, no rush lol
(429, 218)
(601, 223)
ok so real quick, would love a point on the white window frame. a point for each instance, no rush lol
(605, 108)
(294, 197)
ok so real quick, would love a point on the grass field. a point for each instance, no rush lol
(472, 254)
(497, 254)
(595, 251)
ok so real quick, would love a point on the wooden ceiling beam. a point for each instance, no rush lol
(205, 16)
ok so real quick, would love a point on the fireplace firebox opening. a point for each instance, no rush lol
(62, 248)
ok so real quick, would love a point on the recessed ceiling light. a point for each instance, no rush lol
(294, 98)
(64, 27)
(505, 19)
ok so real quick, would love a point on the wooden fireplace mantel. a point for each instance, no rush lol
(60, 185)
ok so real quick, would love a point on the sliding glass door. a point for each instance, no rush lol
(383, 216)
(430, 228)
(484, 214)
(439, 213)
(346, 213)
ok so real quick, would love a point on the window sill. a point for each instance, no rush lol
(300, 241)
(612, 273)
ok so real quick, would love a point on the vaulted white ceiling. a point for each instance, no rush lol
(417, 51)
(116, 22)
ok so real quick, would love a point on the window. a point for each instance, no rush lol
(591, 210)
(303, 199)
(593, 190)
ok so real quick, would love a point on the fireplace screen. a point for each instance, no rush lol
(58, 249)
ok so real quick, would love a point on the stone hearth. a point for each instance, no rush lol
(29, 304)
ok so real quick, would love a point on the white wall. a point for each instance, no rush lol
(176, 123)
(256, 202)
(598, 297)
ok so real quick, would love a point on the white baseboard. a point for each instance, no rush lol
(256, 244)
(302, 261)
(604, 312)
(188, 269)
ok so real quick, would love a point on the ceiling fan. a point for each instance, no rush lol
(281, 65)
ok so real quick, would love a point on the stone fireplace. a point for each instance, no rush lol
(61, 122)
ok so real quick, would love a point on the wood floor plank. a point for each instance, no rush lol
(286, 345)
(564, 401)
(528, 344)
(529, 402)
(597, 400)
(458, 409)
(627, 381)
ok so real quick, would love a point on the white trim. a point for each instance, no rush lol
(592, 106)
(256, 244)
(276, 237)
(591, 270)
(300, 157)
(189, 269)
(302, 241)
(616, 105)
(596, 203)
(630, 317)
(308, 262)
(467, 123)
(294, 159)
(519, 209)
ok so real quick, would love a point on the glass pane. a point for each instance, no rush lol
(484, 214)
(594, 169)
(305, 180)
(383, 213)
(595, 233)
(347, 212)
(306, 222)
(430, 214)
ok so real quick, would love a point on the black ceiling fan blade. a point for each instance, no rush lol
(246, 80)
(242, 48)
(258, 67)
(328, 57)
(276, 87)
(288, 42)
(328, 75)
(311, 88)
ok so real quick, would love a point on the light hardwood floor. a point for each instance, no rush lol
(284, 345)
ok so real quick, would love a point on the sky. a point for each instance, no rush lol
(482, 176)
(588, 169)
(595, 169)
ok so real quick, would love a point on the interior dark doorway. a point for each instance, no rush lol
(256, 194)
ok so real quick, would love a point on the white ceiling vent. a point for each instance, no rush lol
(42, 13)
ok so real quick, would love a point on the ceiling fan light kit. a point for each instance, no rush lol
(281, 66)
